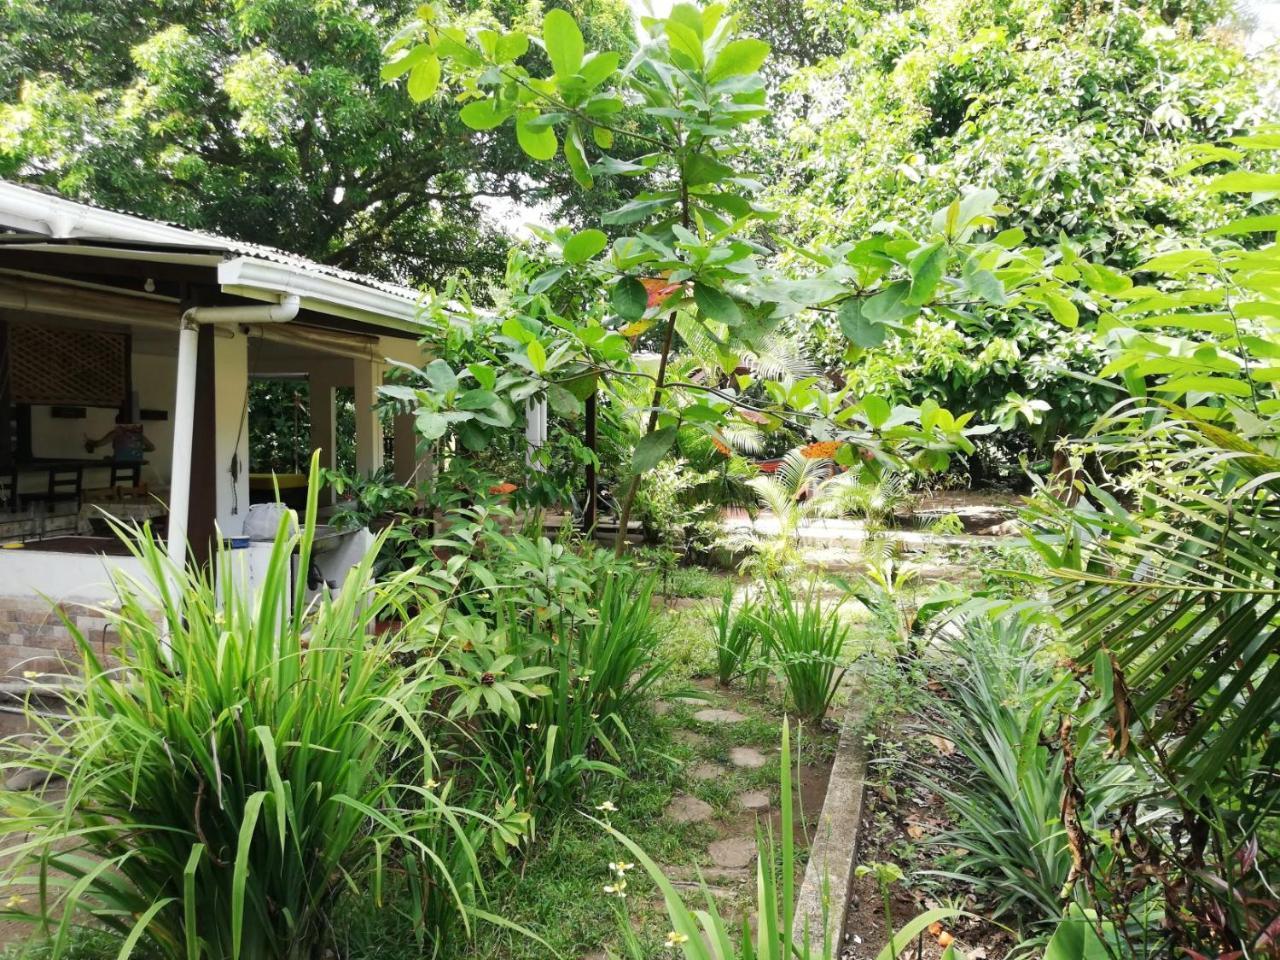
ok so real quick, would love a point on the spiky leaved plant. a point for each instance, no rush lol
(251, 759)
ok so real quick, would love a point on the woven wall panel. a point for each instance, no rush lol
(80, 367)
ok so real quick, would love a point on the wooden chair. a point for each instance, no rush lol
(119, 471)
(65, 484)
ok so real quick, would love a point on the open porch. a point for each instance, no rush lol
(127, 349)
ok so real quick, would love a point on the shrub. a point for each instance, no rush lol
(737, 636)
(250, 762)
(805, 640)
(549, 699)
(1006, 800)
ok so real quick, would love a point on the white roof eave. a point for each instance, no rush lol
(57, 218)
(266, 280)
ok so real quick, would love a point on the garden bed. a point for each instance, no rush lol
(703, 778)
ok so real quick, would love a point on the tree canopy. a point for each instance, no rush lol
(266, 120)
(1077, 116)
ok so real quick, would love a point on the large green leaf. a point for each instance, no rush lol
(424, 79)
(537, 141)
(861, 331)
(926, 267)
(739, 57)
(563, 40)
(651, 448)
(584, 245)
(715, 304)
(629, 298)
(483, 114)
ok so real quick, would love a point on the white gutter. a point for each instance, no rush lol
(260, 279)
(34, 211)
(184, 404)
(254, 277)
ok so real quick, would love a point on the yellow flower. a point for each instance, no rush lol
(15, 901)
(616, 889)
(621, 868)
(674, 939)
(607, 807)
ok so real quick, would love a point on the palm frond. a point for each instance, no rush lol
(779, 357)
(1183, 592)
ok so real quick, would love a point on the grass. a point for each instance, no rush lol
(697, 583)
(685, 640)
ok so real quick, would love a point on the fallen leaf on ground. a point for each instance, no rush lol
(944, 746)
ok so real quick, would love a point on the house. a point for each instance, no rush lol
(110, 318)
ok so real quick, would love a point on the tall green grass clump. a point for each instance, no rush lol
(251, 760)
(805, 640)
(737, 637)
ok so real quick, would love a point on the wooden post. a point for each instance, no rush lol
(204, 467)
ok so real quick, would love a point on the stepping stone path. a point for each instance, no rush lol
(716, 715)
(735, 852)
(687, 809)
(747, 757)
(756, 801)
(708, 771)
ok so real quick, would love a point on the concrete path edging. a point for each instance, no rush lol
(823, 902)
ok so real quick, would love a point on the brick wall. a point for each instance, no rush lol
(33, 637)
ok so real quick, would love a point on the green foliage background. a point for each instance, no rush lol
(1076, 113)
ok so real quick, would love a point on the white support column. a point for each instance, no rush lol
(367, 380)
(407, 464)
(184, 422)
(324, 432)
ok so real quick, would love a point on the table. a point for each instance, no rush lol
(136, 511)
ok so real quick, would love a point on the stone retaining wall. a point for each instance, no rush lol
(33, 638)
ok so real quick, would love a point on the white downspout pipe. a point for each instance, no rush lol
(535, 430)
(184, 404)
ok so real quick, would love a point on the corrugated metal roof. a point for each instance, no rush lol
(203, 239)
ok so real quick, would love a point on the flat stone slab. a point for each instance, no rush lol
(691, 701)
(716, 715)
(708, 771)
(691, 739)
(756, 800)
(734, 852)
(687, 809)
(747, 757)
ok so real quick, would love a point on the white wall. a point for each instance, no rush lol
(30, 572)
(155, 382)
